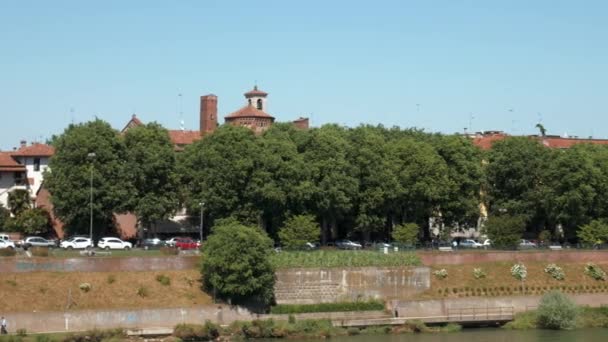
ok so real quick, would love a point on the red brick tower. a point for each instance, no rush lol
(208, 114)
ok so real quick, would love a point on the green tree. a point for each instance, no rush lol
(18, 201)
(505, 231)
(406, 233)
(556, 311)
(236, 266)
(5, 215)
(69, 174)
(34, 221)
(516, 180)
(331, 176)
(594, 232)
(298, 230)
(151, 168)
(217, 170)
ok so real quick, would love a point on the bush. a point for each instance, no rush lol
(505, 231)
(522, 321)
(556, 311)
(85, 287)
(142, 291)
(594, 232)
(299, 230)
(545, 236)
(196, 332)
(555, 271)
(96, 336)
(406, 233)
(519, 271)
(441, 274)
(163, 279)
(327, 307)
(40, 251)
(595, 272)
(478, 273)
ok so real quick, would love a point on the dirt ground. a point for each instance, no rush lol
(56, 291)
(498, 281)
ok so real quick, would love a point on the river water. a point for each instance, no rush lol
(486, 334)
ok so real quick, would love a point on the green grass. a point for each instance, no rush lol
(62, 253)
(587, 318)
(327, 307)
(329, 258)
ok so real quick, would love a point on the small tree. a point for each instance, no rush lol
(33, 221)
(236, 264)
(556, 311)
(299, 230)
(544, 236)
(406, 233)
(505, 231)
(594, 232)
(5, 215)
(18, 201)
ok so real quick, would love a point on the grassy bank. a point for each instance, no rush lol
(327, 307)
(337, 258)
(587, 318)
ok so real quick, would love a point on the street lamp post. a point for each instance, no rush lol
(202, 208)
(91, 156)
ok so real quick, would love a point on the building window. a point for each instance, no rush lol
(249, 102)
(18, 178)
(260, 104)
(36, 164)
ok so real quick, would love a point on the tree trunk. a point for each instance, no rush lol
(323, 230)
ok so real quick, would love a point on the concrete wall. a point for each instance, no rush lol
(314, 285)
(472, 257)
(443, 307)
(97, 264)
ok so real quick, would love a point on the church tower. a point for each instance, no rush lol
(256, 98)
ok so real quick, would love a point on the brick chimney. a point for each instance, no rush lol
(208, 114)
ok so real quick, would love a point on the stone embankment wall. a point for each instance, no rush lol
(314, 285)
(476, 257)
(97, 264)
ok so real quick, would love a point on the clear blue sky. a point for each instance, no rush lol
(429, 64)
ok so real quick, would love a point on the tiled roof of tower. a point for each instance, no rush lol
(132, 123)
(249, 112)
(179, 137)
(34, 150)
(7, 163)
(255, 92)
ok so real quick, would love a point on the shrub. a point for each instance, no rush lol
(406, 233)
(595, 272)
(505, 231)
(7, 252)
(110, 279)
(594, 232)
(142, 291)
(519, 271)
(96, 336)
(441, 274)
(544, 236)
(371, 305)
(556, 311)
(478, 273)
(40, 251)
(555, 271)
(352, 331)
(299, 230)
(85, 287)
(196, 332)
(163, 279)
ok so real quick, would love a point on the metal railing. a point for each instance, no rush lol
(478, 314)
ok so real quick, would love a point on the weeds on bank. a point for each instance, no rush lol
(331, 258)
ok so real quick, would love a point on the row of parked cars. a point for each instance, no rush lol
(107, 243)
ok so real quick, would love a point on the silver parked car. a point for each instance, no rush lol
(36, 241)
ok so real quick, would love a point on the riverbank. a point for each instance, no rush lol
(587, 317)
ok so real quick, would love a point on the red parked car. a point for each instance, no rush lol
(186, 243)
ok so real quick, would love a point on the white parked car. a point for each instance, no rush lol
(526, 244)
(487, 243)
(6, 244)
(108, 243)
(171, 241)
(77, 243)
(470, 243)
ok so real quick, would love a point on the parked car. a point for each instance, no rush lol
(36, 241)
(5, 237)
(108, 243)
(7, 244)
(469, 243)
(186, 243)
(347, 244)
(309, 246)
(526, 244)
(487, 243)
(171, 241)
(77, 243)
(152, 243)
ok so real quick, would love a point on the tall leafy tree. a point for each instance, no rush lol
(19, 201)
(217, 171)
(332, 177)
(151, 164)
(69, 174)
